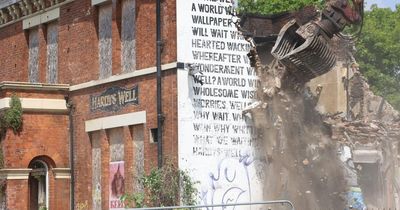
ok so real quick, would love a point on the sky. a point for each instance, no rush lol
(382, 3)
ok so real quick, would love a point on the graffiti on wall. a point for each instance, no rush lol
(234, 175)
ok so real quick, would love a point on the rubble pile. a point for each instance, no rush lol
(325, 160)
(363, 132)
(370, 117)
(302, 145)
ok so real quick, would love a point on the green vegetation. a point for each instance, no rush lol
(378, 52)
(167, 186)
(12, 117)
(271, 7)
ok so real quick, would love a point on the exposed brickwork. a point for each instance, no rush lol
(17, 194)
(13, 53)
(47, 134)
(44, 136)
(59, 200)
(36, 140)
(147, 102)
(78, 42)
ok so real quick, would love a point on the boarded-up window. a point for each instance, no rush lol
(105, 40)
(116, 136)
(117, 168)
(96, 170)
(33, 62)
(128, 41)
(138, 156)
(52, 53)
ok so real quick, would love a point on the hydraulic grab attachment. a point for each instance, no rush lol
(305, 50)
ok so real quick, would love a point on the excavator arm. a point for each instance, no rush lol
(305, 50)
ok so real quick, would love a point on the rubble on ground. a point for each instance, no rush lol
(302, 144)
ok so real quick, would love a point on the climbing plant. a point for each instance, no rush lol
(167, 186)
(12, 117)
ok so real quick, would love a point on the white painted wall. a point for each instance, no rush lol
(216, 144)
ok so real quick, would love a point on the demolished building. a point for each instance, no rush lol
(85, 73)
(331, 143)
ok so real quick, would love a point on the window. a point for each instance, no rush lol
(36, 25)
(96, 169)
(128, 42)
(33, 63)
(116, 167)
(154, 135)
(52, 53)
(105, 40)
(38, 185)
(105, 34)
(138, 156)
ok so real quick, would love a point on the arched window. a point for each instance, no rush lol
(38, 185)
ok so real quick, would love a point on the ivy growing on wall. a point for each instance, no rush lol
(9, 119)
(12, 117)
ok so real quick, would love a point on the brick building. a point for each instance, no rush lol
(85, 72)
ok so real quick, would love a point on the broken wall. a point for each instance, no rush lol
(307, 128)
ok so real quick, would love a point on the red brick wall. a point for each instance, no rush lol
(78, 42)
(44, 135)
(61, 194)
(13, 53)
(47, 134)
(147, 102)
(17, 194)
(78, 39)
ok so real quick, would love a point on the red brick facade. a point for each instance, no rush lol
(44, 136)
(46, 133)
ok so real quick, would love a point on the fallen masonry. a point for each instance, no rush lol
(322, 160)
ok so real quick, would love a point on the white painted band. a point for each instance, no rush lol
(62, 173)
(134, 118)
(119, 77)
(6, 3)
(38, 105)
(15, 174)
(99, 2)
(41, 18)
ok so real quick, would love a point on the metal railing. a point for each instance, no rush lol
(282, 202)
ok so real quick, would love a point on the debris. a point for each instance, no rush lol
(286, 113)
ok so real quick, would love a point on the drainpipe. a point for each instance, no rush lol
(71, 150)
(160, 117)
